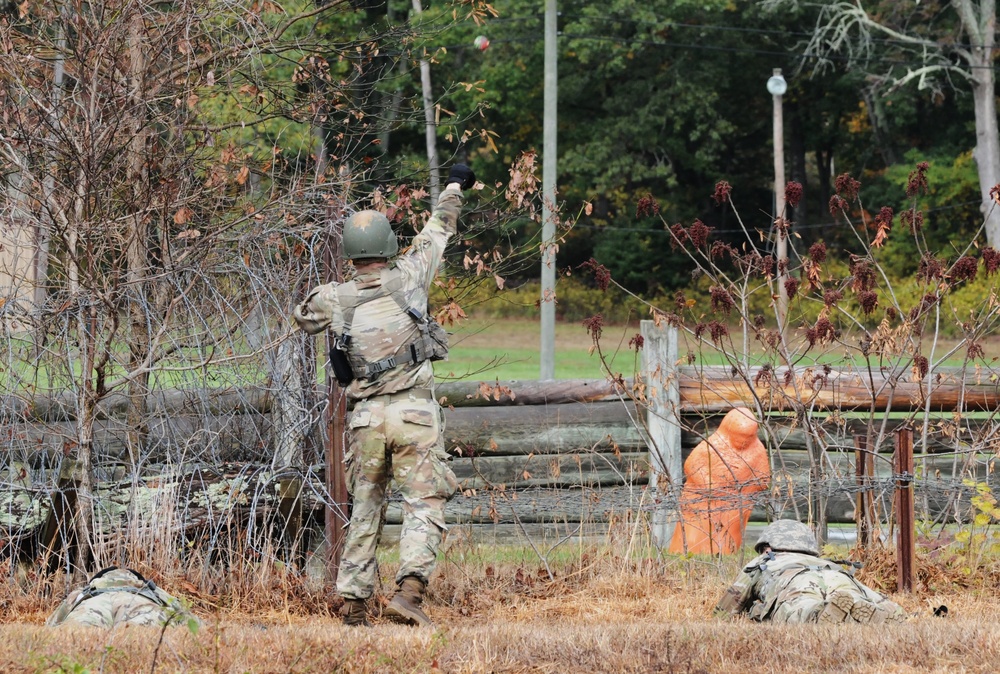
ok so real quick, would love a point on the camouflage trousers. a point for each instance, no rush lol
(805, 598)
(401, 437)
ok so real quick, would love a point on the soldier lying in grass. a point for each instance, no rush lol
(115, 596)
(790, 583)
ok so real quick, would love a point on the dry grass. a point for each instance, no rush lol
(601, 613)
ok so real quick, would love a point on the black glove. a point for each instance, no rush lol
(463, 175)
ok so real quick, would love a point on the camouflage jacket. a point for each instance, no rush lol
(773, 578)
(120, 596)
(380, 325)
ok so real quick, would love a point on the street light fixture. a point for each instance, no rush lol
(776, 84)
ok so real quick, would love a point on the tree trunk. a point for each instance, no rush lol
(136, 246)
(987, 151)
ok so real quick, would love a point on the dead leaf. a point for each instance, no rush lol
(182, 215)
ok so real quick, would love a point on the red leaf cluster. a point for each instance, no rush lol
(991, 260)
(602, 276)
(647, 206)
(722, 191)
(964, 269)
(594, 325)
(912, 219)
(917, 181)
(847, 187)
(793, 193)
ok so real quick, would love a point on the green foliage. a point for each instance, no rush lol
(575, 301)
(950, 207)
(978, 539)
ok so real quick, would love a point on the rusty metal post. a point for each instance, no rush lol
(336, 411)
(905, 543)
(862, 474)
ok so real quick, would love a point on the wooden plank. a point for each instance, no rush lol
(590, 469)
(715, 388)
(526, 393)
(542, 429)
(702, 389)
(502, 430)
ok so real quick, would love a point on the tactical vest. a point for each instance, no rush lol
(430, 342)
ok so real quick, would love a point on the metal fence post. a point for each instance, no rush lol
(905, 544)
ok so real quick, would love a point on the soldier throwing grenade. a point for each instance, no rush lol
(384, 345)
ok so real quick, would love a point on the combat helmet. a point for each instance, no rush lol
(787, 536)
(368, 235)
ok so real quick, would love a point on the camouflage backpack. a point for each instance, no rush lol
(115, 596)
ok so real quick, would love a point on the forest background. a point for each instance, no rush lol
(658, 101)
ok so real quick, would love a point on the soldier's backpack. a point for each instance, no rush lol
(114, 596)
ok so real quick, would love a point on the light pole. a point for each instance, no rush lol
(777, 86)
(547, 353)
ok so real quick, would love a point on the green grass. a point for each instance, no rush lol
(506, 363)
(508, 349)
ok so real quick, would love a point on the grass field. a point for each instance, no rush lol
(604, 611)
(507, 349)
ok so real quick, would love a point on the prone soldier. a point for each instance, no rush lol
(790, 583)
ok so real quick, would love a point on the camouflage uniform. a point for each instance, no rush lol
(120, 596)
(790, 583)
(397, 426)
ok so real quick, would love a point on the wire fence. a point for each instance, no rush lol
(209, 482)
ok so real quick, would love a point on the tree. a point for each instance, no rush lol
(135, 144)
(931, 44)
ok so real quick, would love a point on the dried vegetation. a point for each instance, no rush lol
(600, 610)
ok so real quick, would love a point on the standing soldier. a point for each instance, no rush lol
(383, 347)
(790, 583)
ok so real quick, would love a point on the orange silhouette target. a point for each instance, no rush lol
(720, 475)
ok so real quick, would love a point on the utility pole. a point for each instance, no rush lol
(777, 86)
(548, 299)
(430, 125)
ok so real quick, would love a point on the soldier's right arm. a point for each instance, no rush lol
(420, 265)
(738, 598)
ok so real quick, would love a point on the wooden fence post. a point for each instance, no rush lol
(57, 531)
(905, 544)
(659, 367)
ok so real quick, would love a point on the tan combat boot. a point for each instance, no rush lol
(838, 607)
(405, 604)
(354, 613)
